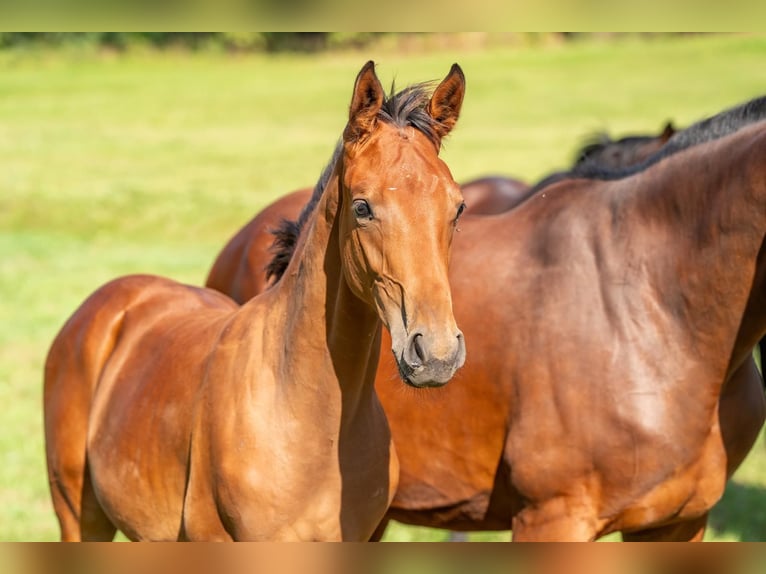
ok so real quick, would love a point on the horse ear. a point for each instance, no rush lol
(447, 100)
(667, 132)
(365, 104)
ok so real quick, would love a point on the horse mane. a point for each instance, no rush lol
(600, 140)
(287, 232)
(592, 144)
(405, 108)
(714, 127)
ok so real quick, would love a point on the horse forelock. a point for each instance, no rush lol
(408, 107)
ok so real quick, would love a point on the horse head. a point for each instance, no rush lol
(398, 211)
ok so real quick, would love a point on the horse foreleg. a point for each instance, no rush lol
(377, 535)
(687, 531)
(552, 522)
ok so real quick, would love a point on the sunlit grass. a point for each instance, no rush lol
(148, 163)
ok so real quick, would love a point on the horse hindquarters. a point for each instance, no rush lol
(72, 370)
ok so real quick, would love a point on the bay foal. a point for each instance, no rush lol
(173, 413)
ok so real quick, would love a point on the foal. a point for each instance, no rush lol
(172, 413)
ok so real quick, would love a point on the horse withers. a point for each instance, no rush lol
(173, 413)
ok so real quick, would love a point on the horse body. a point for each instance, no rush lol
(172, 413)
(211, 466)
(567, 424)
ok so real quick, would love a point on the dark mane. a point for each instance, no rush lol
(709, 129)
(287, 233)
(592, 144)
(406, 108)
(627, 146)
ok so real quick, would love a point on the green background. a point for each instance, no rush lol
(148, 161)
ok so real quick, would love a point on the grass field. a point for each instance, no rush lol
(112, 164)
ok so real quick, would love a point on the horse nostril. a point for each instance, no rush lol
(417, 347)
(460, 357)
(415, 355)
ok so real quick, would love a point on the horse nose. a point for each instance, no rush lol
(427, 362)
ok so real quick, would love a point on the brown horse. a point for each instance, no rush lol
(173, 413)
(460, 465)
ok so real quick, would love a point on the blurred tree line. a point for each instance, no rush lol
(244, 41)
(233, 41)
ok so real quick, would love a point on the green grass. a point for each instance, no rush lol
(148, 163)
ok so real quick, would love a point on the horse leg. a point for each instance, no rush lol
(379, 531)
(65, 506)
(67, 400)
(78, 511)
(94, 524)
(687, 531)
(552, 522)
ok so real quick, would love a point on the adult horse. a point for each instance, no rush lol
(173, 413)
(676, 300)
(460, 464)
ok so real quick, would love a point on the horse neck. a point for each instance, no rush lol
(710, 205)
(332, 338)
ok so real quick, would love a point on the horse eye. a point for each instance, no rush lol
(460, 211)
(362, 209)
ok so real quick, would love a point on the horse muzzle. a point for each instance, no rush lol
(429, 362)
